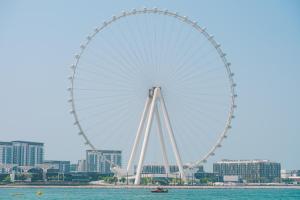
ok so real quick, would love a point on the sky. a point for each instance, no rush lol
(38, 40)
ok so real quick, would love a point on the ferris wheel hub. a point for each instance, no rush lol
(151, 90)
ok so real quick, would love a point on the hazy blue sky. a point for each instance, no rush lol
(261, 38)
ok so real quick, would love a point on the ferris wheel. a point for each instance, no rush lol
(155, 85)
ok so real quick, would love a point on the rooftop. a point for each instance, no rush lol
(5, 143)
(28, 142)
(244, 161)
(56, 161)
(105, 151)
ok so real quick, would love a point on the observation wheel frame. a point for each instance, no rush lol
(182, 19)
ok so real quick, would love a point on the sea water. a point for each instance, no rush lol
(133, 194)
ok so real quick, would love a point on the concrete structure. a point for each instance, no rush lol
(6, 153)
(62, 166)
(96, 163)
(254, 171)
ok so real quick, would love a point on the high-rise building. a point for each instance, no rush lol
(255, 171)
(62, 166)
(6, 153)
(27, 153)
(96, 163)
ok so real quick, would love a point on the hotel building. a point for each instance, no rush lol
(6, 153)
(96, 163)
(252, 171)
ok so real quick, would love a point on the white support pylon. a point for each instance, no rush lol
(146, 137)
(162, 142)
(138, 134)
(171, 135)
(150, 109)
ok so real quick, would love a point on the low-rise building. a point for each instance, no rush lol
(62, 166)
(289, 173)
(254, 171)
(73, 167)
(95, 160)
(160, 169)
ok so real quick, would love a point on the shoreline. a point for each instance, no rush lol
(153, 187)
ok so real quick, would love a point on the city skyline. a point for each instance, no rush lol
(262, 49)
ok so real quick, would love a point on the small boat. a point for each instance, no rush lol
(160, 190)
(39, 193)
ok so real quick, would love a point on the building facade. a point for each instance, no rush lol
(160, 169)
(6, 153)
(73, 167)
(21, 153)
(95, 162)
(81, 166)
(289, 173)
(28, 153)
(62, 166)
(253, 171)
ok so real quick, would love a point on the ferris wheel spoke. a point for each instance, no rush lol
(120, 65)
(115, 64)
(192, 133)
(166, 44)
(193, 67)
(131, 64)
(201, 74)
(182, 54)
(120, 76)
(119, 111)
(190, 136)
(88, 81)
(205, 114)
(137, 48)
(172, 43)
(116, 61)
(182, 67)
(102, 98)
(188, 67)
(99, 105)
(130, 55)
(132, 50)
(89, 116)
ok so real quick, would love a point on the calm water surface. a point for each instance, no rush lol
(132, 194)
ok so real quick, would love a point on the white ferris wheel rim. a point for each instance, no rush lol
(182, 19)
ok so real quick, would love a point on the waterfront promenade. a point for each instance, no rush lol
(153, 186)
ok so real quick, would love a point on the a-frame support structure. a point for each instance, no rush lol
(152, 108)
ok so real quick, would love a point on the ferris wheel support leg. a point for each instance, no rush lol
(146, 138)
(171, 135)
(162, 142)
(138, 134)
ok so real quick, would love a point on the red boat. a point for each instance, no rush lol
(160, 190)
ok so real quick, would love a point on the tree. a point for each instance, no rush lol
(7, 179)
(122, 180)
